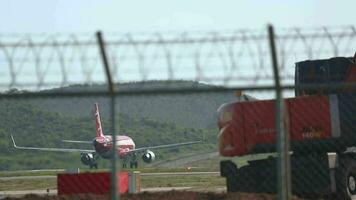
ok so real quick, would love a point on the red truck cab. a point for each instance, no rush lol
(249, 127)
(321, 125)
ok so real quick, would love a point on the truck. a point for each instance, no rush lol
(321, 123)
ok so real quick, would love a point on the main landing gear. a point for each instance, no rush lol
(94, 166)
(132, 159)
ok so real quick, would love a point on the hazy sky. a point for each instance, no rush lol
(29, 16)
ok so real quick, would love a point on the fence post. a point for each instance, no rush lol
(283, 163)
(115, 195)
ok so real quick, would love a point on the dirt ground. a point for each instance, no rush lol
(171, 195)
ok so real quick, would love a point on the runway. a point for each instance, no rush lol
(182, 174)
(142, 174)
(181, 162)
(24, 177)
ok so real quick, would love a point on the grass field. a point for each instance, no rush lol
(146, 182)
(28, 184)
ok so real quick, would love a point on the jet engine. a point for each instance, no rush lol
(148, 156)
(89, 159)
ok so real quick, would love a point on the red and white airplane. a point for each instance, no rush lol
(103, 144)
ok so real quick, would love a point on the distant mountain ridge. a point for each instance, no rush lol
(195, 110)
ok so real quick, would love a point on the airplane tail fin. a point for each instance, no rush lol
(99, 130)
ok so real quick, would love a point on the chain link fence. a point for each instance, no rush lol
(166, 87)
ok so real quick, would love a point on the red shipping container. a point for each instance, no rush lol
(90, 183)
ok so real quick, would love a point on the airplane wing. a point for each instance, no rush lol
(51, 149)
(78, 141)
(163, 146)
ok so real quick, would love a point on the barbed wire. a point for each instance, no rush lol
(229, 58)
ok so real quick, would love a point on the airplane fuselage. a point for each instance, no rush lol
(104, 144)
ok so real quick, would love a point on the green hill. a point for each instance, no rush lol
(194, 110)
